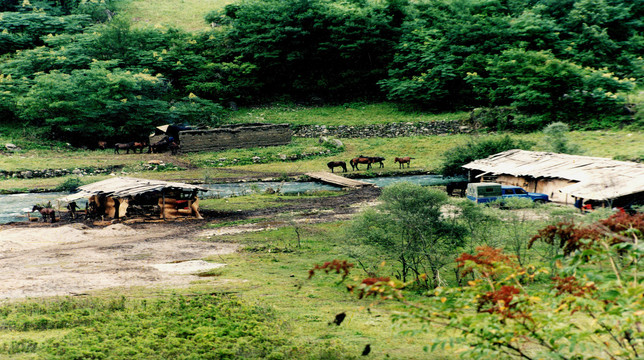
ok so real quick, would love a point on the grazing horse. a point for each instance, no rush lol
(45, 213)
(174, 147)
(124, 146)
(378, 159)
(139, 145)
(457, 185)
(403, 160)
(334, 164)
(159, 146)
(360, 160)
(72, 206)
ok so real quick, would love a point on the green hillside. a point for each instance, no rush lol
(183, 14)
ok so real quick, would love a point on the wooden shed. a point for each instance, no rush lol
(125, 196)
(564, 177)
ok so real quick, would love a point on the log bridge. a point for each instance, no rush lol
(337, 180)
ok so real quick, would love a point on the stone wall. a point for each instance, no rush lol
(50, 173)
(390, 130)
(235, 136)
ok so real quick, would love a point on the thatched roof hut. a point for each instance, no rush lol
(563, 176)
(113, 196)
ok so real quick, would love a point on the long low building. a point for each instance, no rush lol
(564, 177)
(121, 196)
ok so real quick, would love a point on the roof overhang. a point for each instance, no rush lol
(121, 187)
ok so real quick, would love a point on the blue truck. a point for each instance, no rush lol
(487, 192)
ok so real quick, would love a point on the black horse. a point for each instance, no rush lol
(333, 164)
(457, 185)
(377, 159)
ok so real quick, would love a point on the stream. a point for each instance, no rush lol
(15, 207)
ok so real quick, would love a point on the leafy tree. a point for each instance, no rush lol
(557, 138)
(478, 149)
(95, 104)
(539, 83)
(24, 30)
(196, 111)
(527, 54)
(315, 47)
(409, 227)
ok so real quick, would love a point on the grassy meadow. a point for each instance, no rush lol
(261, 305)
(183, 14)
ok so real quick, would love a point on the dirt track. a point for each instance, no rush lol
(38, 260)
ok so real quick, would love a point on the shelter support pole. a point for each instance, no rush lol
(163, 207)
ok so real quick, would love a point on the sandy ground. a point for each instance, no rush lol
(73, 259)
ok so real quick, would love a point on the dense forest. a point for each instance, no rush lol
(76, 69)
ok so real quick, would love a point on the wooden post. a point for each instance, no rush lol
(163, 207)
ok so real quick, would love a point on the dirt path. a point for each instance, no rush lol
(38, 260)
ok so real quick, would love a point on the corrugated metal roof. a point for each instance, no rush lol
(121, 187)
(598, 178)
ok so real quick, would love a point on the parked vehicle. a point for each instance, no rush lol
(487, 192)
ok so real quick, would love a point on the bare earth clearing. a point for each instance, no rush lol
(73, 259)
(38, 260)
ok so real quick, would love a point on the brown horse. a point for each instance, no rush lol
(102, 145)
(45, 213)
(403, 160)
(124, 146)
(333, 164)
(360, 160)
(139, 145)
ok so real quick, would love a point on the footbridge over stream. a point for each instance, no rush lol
(338, 180)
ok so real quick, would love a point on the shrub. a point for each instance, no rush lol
(70, 185)
(478, 149)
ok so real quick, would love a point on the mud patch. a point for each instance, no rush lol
(187, 267)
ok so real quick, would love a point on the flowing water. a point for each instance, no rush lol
(15, 207)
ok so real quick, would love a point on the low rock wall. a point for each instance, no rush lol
(390, 130)
(235, 136)
(50, 173)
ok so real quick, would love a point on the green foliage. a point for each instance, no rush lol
(557, 139)
(204, 326)
(70, 185)
(478, 149)
(538, 83)
(544, 61)
(24, 30)
(315, 48)
(592, 305)
(530, 55)
(408, 226)
(87, 105)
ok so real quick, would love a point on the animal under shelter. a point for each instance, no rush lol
(564, 177)
(130, 197)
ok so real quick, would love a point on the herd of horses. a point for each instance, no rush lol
(369, 160)
(162, 145)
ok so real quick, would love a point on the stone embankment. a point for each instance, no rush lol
(390, 130)
(49, 173)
